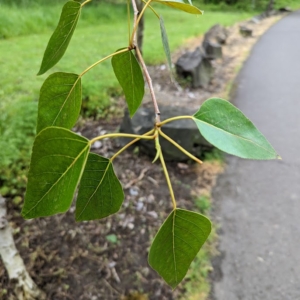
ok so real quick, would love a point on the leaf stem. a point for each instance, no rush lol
(157, 146)
(85, 2)
(173, 119)
(126, 135)
(93, 65)
(179, 147)
(131, 143)
(149, 81)
(137, 21)
(152, 10)
(168, 179)
(103, 59)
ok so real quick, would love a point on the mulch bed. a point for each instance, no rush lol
(107, 259)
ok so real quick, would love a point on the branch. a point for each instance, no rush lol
(143, 65)
(136, 13)
(149, 81)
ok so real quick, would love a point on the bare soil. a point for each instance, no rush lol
(107, 259)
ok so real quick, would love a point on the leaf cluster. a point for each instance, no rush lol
(62, 162)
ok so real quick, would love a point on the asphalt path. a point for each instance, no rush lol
(259, 202)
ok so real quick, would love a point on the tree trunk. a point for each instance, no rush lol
(140, 31)
(270, 7)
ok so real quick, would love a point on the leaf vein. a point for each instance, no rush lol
(59, 179)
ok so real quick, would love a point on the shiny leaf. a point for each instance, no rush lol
(61, 37)
(60, 101)
(100, 192)
(177, 243)
(178, 4)
(130, 77)
(227, 128)
(57, 162)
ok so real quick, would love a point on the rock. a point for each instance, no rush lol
(258, 18)
(255, 20)
(216, 34)
(285, 9)
(245, 31)
(272, 12)
(184, 132)
(197, 66)
(213, 50)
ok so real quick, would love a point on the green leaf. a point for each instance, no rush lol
(227, 128)
(57, 162)
(100, 192)
(165, 43)
(178, 4)
(130, 77)
(61, 37)
(177, 243)
(60, 101)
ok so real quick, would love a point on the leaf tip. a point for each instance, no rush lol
(279, 157)
(42, 70)
(132, 113)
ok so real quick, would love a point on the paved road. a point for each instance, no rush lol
(259, 202)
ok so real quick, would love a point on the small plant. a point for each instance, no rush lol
(61, 160)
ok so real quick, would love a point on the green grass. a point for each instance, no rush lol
(186, 26)
(102, 30)
(17, 20)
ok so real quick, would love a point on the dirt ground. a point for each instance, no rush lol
(107, 259)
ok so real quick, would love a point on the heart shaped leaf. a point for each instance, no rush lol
(60, 101)
(177, 243)
(178, 4)
(61, 37)
(165, 43)
(57, 162)
(227, 128)
(130, 77)
(100, 192)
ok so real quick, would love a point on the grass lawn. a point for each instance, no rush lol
(100, 32)
(90, 43)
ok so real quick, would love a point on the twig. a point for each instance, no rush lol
(141, 176)
(140, 57)
(136, 13)
(153, 181)
(149, 81)
(137, 21)
(115, 275)
(111, 287)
